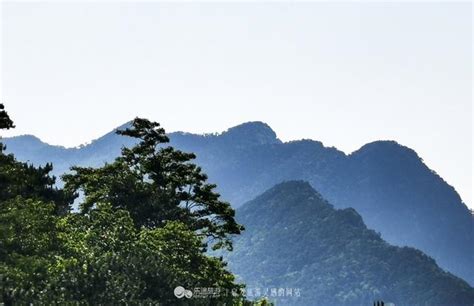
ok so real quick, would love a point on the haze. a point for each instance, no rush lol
(345, 74)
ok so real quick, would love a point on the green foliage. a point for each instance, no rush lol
(5, 121)
(129, 244)
(25, 180)
(387, 183)
(28, 244)
(157, 184)
(119, 263)
(21, 179)
(296, 239)
(99, 258)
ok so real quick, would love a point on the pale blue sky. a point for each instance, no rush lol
(345, 74)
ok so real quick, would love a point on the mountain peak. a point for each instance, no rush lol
(292, 238)
(388, 158)
(24, 142)
(288, 197)
(27, 137)
(255, 132)
(384, 147)
(292, 185)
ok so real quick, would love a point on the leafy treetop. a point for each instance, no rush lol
(5, 121)
(104, 256)
(157, 184)
(23, 179)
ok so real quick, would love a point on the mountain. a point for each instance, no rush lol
(387, 183)
(294, 239)
(30, 148)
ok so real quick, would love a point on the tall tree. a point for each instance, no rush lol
(140, 234)
(157, 184)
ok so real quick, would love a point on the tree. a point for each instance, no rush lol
(101, 258)
(5, 121)
(138, 236)
(21, 179)
(28, 245)
(25, 180)
(157, 184)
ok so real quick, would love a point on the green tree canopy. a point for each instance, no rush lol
(21, 179)
(101, 258)
(156, 184)
(28, 244)
(5, 121)
(144, 225)
(25, 180)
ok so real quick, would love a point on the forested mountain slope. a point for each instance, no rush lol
(295, 239)
(387, 183)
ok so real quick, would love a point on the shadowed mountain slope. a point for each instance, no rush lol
(387, 183)
(295, 239)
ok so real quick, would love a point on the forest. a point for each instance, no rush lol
(143, 226)
(148, 226)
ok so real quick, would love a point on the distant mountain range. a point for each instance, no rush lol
(296, 242)
(388, 184)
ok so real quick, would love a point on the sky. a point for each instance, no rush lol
(342, 73)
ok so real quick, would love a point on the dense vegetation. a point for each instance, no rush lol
(388, 184)
(143, 228)
(296, 239)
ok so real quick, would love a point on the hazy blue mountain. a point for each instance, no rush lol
(30, 148)
(295, 239)
(387, 183)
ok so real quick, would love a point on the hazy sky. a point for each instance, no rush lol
(344, 74)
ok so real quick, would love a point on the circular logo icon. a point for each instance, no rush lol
(179, 292)
(188, 294)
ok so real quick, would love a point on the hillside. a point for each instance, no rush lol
(387, 183)
(295, 239)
